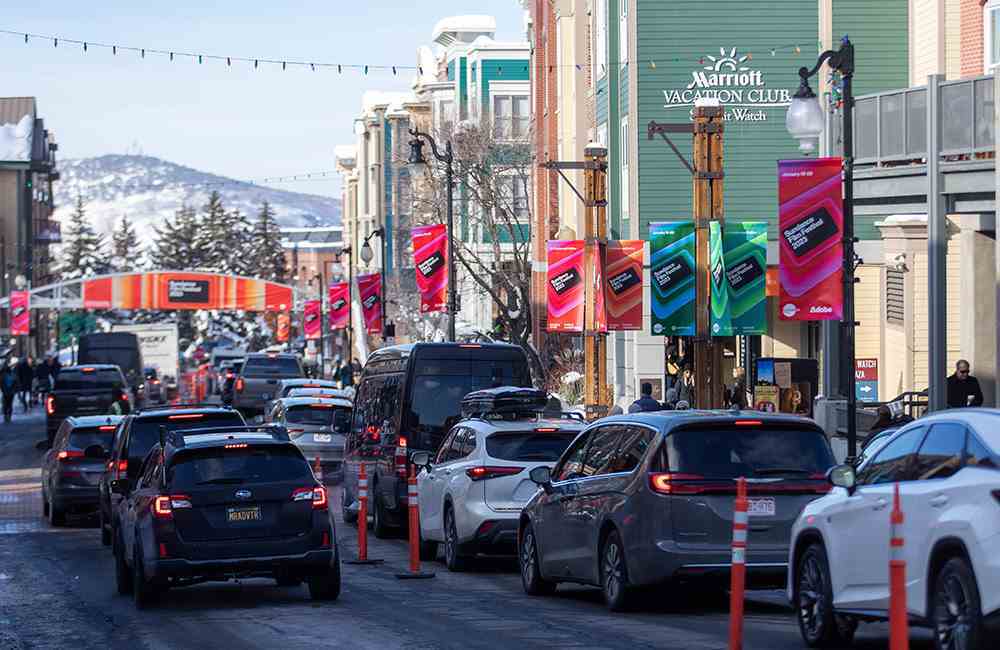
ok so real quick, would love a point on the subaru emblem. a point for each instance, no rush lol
(243, 494)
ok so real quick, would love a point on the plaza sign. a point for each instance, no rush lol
(738, 87)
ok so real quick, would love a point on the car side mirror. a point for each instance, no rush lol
(119, 486)
(421, 459)
(843, 476)
(542, 476)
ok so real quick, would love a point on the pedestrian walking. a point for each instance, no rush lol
(25, 376)
(8, 388)
(736, 393)
(685, 387)
(645, 401)
(963, 388)
(42, 383)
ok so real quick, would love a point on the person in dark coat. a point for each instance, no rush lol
(645, 401)
(963, 388)
(8, 388)
(25, 375)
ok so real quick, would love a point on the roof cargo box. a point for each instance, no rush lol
(506, 400)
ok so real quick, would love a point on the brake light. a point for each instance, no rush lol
(310, 386)
(315, 494)
(483, 473)
(373, 434)
(667, 483)
(50, 404)
(236, 445)
(122, 466)
(164, 506)
(107, 427)
(124, 396)
(88, 369)
(748, 423)
(69, 453)
(186, 416)
(688, 484)
(546, 429)
(470, 345)
(239, 385)
(401, 457)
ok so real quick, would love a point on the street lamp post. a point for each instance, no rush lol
(805, 121)
(322, 333)
(417, 160)
(366, 256)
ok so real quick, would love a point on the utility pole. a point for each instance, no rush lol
(595, 234)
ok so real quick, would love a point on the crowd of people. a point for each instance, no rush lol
(27, 381)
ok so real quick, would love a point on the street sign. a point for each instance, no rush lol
(866, 391)
(866, 380)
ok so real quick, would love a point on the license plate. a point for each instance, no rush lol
(761, 507)
(243, 515)
(322, 437)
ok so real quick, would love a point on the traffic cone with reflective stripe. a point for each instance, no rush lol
(414, 507)
(737, 572)
(363, 520)
(899, 626)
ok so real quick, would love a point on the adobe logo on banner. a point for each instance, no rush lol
(810, 239)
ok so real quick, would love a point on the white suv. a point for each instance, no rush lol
(471, 493)
(947, 466)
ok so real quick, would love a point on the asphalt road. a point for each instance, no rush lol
(57, 590)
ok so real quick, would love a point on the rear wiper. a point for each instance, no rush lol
(781, 470)
(231, 480)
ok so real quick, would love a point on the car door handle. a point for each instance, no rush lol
(880, 504)
(939, 501)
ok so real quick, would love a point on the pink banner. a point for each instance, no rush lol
(623, 280)
(340, 305)
(430, 256)
(312, 320)
(566, 286)
(20, 314)
(370, 294)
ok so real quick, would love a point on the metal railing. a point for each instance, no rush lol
(890, 128)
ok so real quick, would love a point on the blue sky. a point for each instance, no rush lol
(232, 121)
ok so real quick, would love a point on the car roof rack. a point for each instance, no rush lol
(182, 405)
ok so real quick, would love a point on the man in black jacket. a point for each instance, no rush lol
(963, 388)
(645, 401)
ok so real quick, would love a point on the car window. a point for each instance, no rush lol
(89, 379)
(728, 450)
(632, 448)
(601, 450)
(940, 454)
(83, 437)
(149, 467)
(536, 446)
(321, 414)
(457, 445)
(237, 467)
(145, 432)
(894, 462)
(442, 454)
(468, 443)
(977, 454)
(271, 367)
(572, 461)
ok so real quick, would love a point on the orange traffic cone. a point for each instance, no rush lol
(414, 506)
(737, 571)
(899, 625)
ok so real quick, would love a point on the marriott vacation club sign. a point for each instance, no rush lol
(730, 78)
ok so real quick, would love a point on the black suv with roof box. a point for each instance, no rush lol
(136, 436)
(223, 503)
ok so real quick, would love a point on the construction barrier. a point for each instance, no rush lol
(899, 626)
(363, 520)
(737, 572)
(414, 507)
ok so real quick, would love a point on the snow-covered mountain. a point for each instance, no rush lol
(149, 190)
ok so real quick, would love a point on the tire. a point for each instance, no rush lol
(452, 553)
(614, 573)
(56, 515)
(105, 529)
(123, 576)
(819, 623)
(380, 526)
(428, 549)
(956, 610)
(531, 575)
(326, 586)
(143, 591)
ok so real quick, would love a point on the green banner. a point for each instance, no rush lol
(672, 278)
(745, 261)
(721, 322)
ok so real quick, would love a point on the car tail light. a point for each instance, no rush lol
(315, 494)
(485, 527)
(88, 369)
(237, 445)
(50, 404)
(669, 483)
(401, 456)
(748, 423)
(186, 416)
(470, 345)
(66, 454)
(122, 466)
(546, 429)
(107, 427)
(239, 385)
(123, 395)
(164, 506)
(326, 539)
(482, 473)
(163, 550)
(688, 484)
(372, 434)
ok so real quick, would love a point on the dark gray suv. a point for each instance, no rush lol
(648, 498)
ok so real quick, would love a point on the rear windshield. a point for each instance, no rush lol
(92, 380)
(126, 358)
(83, 437)
(731, 452)
(529, 445)
(238, 466)
(322, 414)
(145, 432)
(272, 366)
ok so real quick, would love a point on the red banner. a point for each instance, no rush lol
(623, 284)
(597, 282)
(20, 314)
(370, 294)
(284, 326)
(312, 319)
(566, 286)
(340, 306)
(811, 232)
(430, 256)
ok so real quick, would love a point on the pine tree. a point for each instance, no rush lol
(126, 254)
(209, 241)
(173, 249)
(84, 253)
(266, 251)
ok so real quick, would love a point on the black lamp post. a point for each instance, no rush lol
(350, 299)
(366, 256)
(418, 161)
(805, 120)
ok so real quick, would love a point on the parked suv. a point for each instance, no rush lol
(237, 502)
(408, 399)
(947, 468)
(259, 380)
(98, 389)
(72, 469)
(318, 427)
(137, 435)
(472, 493)
(647, 498)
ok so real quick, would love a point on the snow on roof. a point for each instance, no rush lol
(462, 29)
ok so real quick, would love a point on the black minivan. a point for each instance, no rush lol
(408, 399)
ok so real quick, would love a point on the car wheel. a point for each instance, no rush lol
(452, 558)
(123, 577)
(614, 573)
(531, 576)
(105, 529)
(956, 609)
(326, 586)
(819, 623)
(143, 591)
(379, 525)
(56, 515)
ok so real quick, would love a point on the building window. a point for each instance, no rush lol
(623, 34)
(991, 35)
(514, 200)
(510, 116)
(895, 296)
(599, 68)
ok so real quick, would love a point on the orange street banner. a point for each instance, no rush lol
(183, 290)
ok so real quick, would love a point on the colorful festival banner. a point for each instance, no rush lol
(600, 316)
(672, 275)
(370, 294)
(430, 256)
(721, 320)
(566, 286)
(312, 319)
(744, 245)
(284, 327)
(183, 290)
(623, 278)
(20, 313)
(810, 229)
(340, 305)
